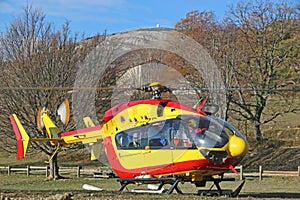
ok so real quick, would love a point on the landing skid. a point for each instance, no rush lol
(219, 191)
(174, 186)
(161, 181)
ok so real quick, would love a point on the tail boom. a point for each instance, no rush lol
(91, 134)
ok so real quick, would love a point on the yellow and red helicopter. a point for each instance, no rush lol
(153, 141)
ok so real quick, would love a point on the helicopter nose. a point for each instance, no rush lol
(237, 146)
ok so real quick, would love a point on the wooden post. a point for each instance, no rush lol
(28, 170)
(298, 171)
(260, 176)
(8, 170)
(241, 173)
(47, 171)
(78, 171)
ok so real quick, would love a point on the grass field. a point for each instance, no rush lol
(285, 130)
(19, 186)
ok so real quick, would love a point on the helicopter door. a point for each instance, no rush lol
(145, 146)
(181, 142)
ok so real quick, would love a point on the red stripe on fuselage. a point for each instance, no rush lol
(176, 167)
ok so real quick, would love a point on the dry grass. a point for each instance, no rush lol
(19, 186)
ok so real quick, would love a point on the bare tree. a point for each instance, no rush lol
(268, 59)
(38, 66)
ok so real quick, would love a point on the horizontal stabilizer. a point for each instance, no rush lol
(21, 136)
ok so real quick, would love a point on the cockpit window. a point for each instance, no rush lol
(178, 133)
(158, 135)
(154, 135)
(130, 139)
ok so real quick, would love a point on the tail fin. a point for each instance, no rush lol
(21, 136)
(89, 123)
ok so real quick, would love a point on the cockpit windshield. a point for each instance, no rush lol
(206, 131)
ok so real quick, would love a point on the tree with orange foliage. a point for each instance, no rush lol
(253, 49)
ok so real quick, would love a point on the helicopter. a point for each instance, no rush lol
(153, 141)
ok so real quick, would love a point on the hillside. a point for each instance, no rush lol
(273, 155)
(281, 151)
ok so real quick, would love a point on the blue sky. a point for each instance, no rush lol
(96, 16)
